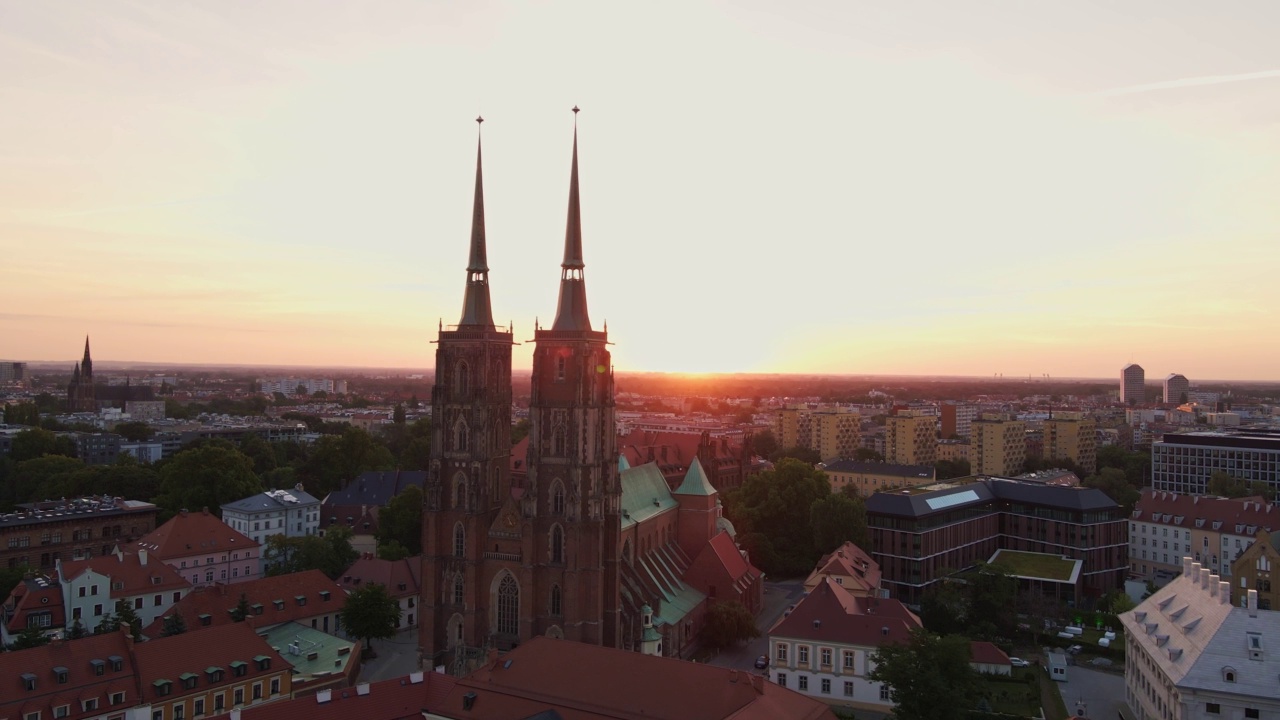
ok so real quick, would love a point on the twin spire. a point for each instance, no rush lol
(571, 310)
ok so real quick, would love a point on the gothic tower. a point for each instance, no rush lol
(80, 393)
(469, 477)
(571, 501)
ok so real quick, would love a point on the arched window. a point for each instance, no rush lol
(463, 378)
(459, 490)
(557, 544)
(459, 541)
(557, 498)
(557, 442)
(555, 600)
(626, 551)
(508, 606)
(461, 435)
(457, 589)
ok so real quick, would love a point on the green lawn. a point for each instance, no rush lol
(1013, 698)
(1037, 565)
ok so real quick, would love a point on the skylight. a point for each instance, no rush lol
(946, 501)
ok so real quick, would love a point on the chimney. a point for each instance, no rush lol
(1253, 603)
(1204, 578)
(119, 554)
(1224, 592)
(1186, 565)
(142, 557)
(1213, 586)
(235, 713)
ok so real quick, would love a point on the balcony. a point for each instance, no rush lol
(512, 557)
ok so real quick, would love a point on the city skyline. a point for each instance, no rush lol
(823, 190)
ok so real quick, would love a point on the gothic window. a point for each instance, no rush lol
(560, 365)
(463, 379)
(459, 541)
(555, 600)
(557, 544)
(457, 589)
(557, 441)
(461, 435)
(459, 490)
(557, 498)
(508, 606)
(626, 551)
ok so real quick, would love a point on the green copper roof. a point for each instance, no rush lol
(650, 634)
(695, 481)
(644, 494)
(622, 463)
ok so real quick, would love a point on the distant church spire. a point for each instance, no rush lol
(476, 309)
(571, 311)
(86, 364)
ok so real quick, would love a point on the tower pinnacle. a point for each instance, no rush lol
(571, 311)
(476, 309)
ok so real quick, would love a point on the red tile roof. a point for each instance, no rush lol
(128, 573)
(83, 682)
(849, 560)
(830, 613)
(216, 600)
(586, 682)
(987, 654)
(192, 533)
(30, 597)
(395, 699)
(1184, 510)
(399, 577)
(741, 572)
(197, 650)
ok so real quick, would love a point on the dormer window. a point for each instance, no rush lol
(189, 680)
(263, 662)
(300, 599)
(324, 595)
(29, 681)
(278, 603)
(1254, 643)
(206, 619)
(1199, 522)
(239, 668)
(163, 687)
(90, 704)
(62, 675)
(99, 667)
(1228, 674)
(117, 663)
(256, 608)
(215, 673)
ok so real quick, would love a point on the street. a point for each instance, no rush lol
(777, 597)
(1093, 693)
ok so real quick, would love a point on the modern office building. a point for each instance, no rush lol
(1183, 462)
(923, 535)
(1072, 436)
(1176, 389)
(998, 445)
(1133, 389)
(910, 438)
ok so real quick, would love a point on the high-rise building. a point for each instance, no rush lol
(910, 438)
(1176, 389)
(1132, 385)
(791, 427)
(1072, 436)
(957, 419)
(80, 392)
(998, 445)
(834, 434)
(12, 371)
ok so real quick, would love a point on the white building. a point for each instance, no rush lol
(92, 588)
(292, 513)
(1191, 655)
(289, 386)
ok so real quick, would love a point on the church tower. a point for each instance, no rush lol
(80, 393)
(469, 477)
(571, 501)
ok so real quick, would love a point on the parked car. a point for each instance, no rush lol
(762, 662)
(1075, 649)
(1019, 662)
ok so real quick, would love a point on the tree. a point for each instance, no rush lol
(330, 554)
(806, 455)
(413, 402)
(371, 613)
(728, 623)
(867, 455)
(77, 630)
(398, 415)
(337, 459)
(126, 617)
(400, 521)
(948, 469)
(1224, 485)
(944, 608)
(108, 624)
(48, 476)
(134, 430)
(992, 594)
(37, 442)
(1115, 485)
(206, 477)
(260, 452)
(765, 443)
(241, 610)
(772, 511)
(520, 430)
(929, 678)
(836, 518)
(30, 637)
(173, 625)
(392, 550)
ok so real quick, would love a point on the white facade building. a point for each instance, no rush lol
(91, 589)
(289, 386)
(292, 513)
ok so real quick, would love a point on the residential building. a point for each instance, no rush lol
(12, 372)
(835, 433)
(1072, 436)
(871, 477)
(295, 386)
(205, 672)
(1183, 462)
(36, 601)
(203, 549)
(319, 661)
(145, 410)
(1192, 655)
(1177, 389)
(953, 450)
(40, 534)
(308, 598)
(998, 445)
(1253, 570)
(910, 438)
(1133, 390)
(96, 448)
(923, 535)
(93, 678)
(791, 426)
(292, 513)
(92, 588)
(956, 419)
(356, 505)
(1166, 527)
(401, 578)
(531, 682)
(851, 568)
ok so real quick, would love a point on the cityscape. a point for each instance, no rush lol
(250, 468)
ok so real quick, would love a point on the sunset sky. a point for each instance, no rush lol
(837, 187)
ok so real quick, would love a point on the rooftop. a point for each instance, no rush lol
(921, 472)
(64, 510)
(393, 699)
(273, 500)
(1038, 566)
(312, 654)
(193, 533)
(197, 652)
(272, 600)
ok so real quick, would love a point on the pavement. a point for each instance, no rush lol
(1094, 693)
(778, 596)
(397, 657)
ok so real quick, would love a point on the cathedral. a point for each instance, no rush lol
(80, 391)
(586, 547)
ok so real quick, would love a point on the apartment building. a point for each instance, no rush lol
(872, 477)
(92, 588)
(292, 513)
(831, 431)
(956, 419)
(1177, 389)
(1183, 462)
(922, 535)
(998, 445)
(911, 438)
(203, 549)
(1133, 390)
(1165, 527)
(38, 535)
(953, 449)
(1253, 569)
(1072, 436)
